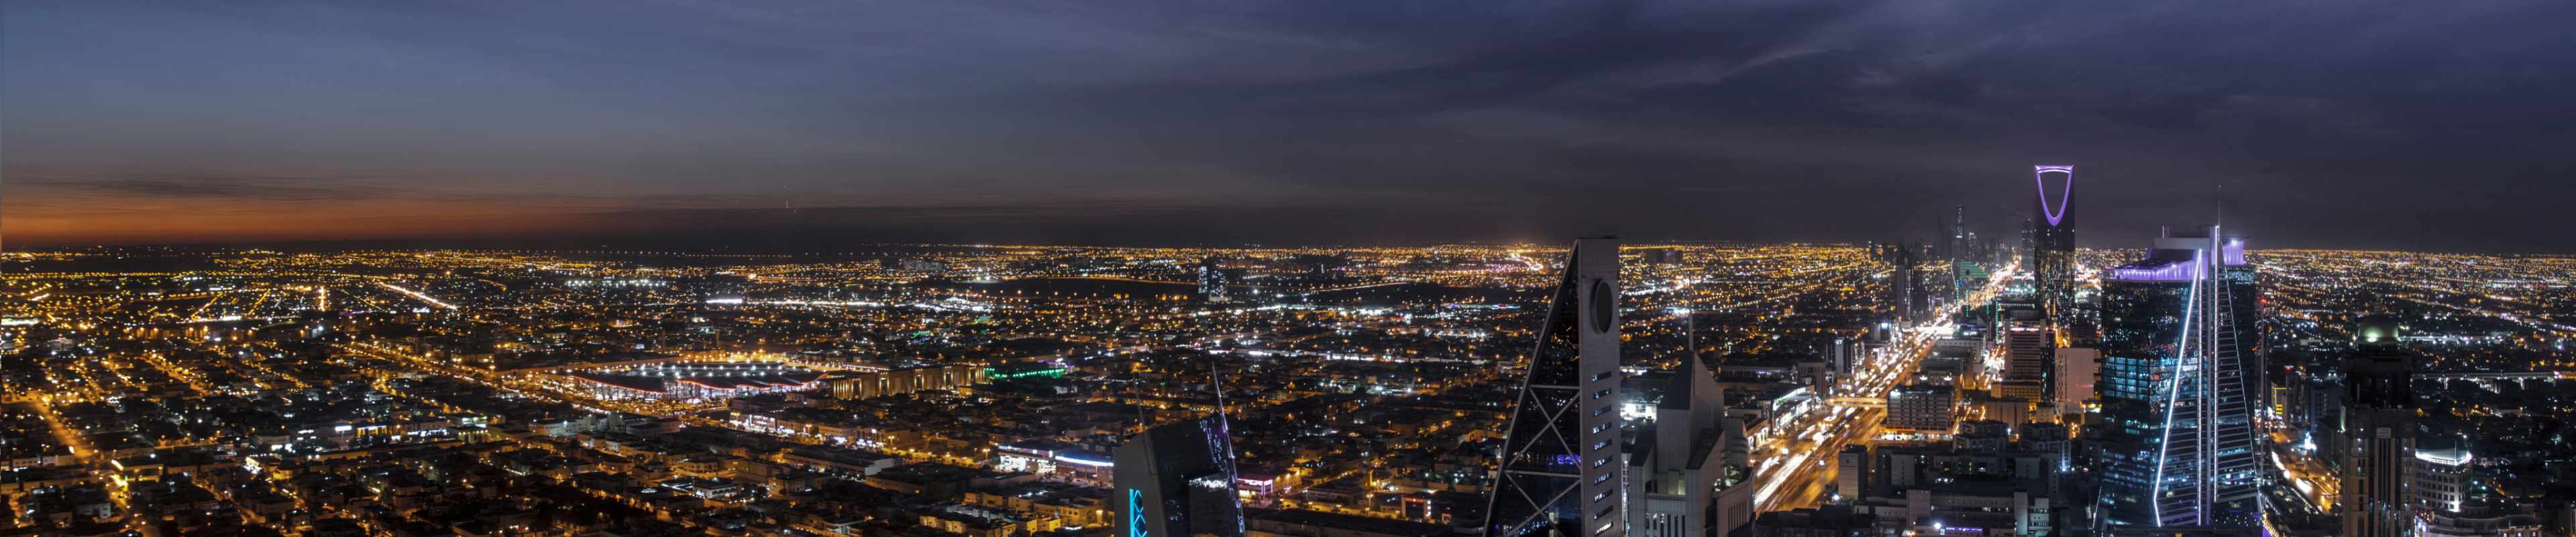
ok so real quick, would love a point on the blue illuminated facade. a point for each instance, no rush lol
(1179, 479)
(2178, 444)
(1136, 525)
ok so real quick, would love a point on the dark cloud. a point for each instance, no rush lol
(1760, 119)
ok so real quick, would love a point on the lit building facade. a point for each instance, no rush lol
(689, 380)
(867, 384)
(2075, 369)
(2440, 479)
(1212, 281)
(1922, 407)
(2029, 349)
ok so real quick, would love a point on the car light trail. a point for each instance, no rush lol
(417, 294)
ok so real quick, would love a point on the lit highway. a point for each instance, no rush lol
(1790, 473)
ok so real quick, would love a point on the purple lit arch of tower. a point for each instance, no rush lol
(2039, 174)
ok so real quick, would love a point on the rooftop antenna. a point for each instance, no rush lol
(2218, 204)
(1216, 381)
(1690, 334)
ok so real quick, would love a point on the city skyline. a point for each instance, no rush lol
(1058, 391)
(1267, 268)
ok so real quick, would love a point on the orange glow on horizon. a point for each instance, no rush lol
(179, 221)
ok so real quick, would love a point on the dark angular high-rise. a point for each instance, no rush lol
(2380, 424)
(1967, 255)
(1177, 480)
(2178, 445)
(1961, 246)
(1560, 472)
(1908, 294)
(2052, 238)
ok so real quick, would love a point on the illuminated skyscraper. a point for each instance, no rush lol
(1177, 480)
(2178, 447)
(1560, 472)
(2052, 237)
(1212, 281)
(2439, 479)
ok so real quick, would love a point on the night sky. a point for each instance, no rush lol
(2368, 123)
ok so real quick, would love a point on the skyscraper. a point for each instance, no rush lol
(2238, 277)
(1967, 256)
(1212, 280)
(1691, 468)
(1560, 472)
(1177, 480)
(2439, 479)
(1908, 292)
(2073, 376)
(2030, 351)
(2178, 447)
(2380, 420)
(1960, 245)
(2052, 238)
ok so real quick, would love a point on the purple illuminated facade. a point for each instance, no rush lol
(2051, 238)
(2168, 266)
(2056, 214)
(2150, 272)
